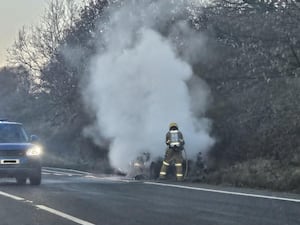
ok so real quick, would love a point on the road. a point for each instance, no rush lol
(73, 197)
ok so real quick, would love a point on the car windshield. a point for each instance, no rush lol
(12, 133)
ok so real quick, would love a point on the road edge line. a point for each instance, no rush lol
(225, 192)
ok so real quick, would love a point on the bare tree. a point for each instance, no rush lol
(36, 46)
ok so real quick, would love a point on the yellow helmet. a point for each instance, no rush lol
(173, 125)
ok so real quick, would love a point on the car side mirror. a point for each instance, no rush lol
(34, 138)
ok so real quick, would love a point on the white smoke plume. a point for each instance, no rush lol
(139, 84)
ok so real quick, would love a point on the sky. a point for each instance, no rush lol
(14, 14)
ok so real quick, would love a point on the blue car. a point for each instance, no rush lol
(20, 156)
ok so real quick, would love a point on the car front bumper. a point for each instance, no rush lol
(25, 167)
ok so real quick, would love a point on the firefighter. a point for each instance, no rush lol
(175, 143)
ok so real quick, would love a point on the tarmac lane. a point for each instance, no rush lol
(74, 197)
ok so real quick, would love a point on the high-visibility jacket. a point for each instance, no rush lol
(172, 155)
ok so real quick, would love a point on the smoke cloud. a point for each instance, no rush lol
(141, 81)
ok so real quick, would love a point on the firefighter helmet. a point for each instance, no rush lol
(173, 125)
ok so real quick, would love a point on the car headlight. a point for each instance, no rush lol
(34, 151)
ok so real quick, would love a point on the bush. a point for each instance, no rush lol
(259, 173)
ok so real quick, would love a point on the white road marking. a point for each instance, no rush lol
(115, 179)
(46, 173)
(29, 201)
(64, 215)
(50, 210)
(90, 176)
(225, 192)
(11, 196)
(53, 169)
(59, 174)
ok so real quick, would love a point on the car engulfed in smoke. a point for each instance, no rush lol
(145, 168)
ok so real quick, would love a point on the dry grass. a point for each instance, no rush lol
(259, 173)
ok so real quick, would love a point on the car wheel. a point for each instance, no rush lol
(21, 180)
(36, 178)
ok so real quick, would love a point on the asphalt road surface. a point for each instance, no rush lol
(73, 197)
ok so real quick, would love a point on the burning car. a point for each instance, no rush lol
(145, 168)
